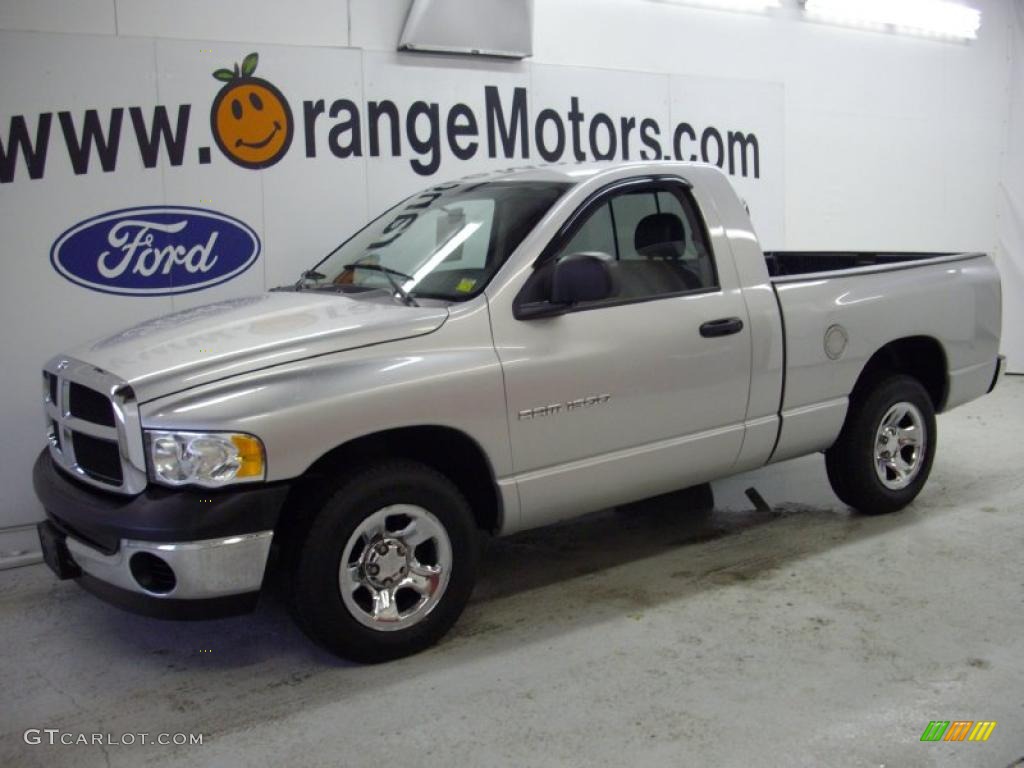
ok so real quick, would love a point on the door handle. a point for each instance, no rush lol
(724, 327)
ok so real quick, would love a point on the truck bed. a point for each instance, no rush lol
(783, 264)
(860, 302)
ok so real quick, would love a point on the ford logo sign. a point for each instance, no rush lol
(155, 251)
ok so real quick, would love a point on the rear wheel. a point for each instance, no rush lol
(883, 456)
(388, 564)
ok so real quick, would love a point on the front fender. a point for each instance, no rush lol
(302, 410)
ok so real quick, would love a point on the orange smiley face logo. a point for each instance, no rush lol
(250, 118)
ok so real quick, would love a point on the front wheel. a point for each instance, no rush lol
(387, 565)
(882, 457)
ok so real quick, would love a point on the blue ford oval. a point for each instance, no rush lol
(155, 251)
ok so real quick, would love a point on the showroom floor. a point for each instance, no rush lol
(799, 635)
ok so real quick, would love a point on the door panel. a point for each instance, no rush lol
(646, 377)
(616, 402)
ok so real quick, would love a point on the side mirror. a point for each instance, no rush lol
(581, 277)
(575, 278)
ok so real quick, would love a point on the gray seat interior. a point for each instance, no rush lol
(658, 266)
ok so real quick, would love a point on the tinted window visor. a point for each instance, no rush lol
(445, 243)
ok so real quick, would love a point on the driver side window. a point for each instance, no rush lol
(655, 240)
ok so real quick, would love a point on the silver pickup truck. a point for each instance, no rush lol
(491, 355)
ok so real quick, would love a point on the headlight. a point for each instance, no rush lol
(209, 459)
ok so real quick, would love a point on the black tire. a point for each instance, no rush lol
(850, 462)
(315, 594)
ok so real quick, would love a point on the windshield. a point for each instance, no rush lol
(445, 243)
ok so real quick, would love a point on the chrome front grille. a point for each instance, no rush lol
(90, 405)
(99, 459)
(92, 426)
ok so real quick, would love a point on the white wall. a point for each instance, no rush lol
(1010, 221)
(891, 142)
(888, 142)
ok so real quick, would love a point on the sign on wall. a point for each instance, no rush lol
(155, 251)
(139, 176)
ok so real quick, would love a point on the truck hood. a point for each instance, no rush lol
(214, 341)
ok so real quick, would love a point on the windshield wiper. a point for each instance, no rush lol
(309, 274)
(388, 272)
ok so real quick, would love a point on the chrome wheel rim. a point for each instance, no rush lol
(395, 567)
(900, 443)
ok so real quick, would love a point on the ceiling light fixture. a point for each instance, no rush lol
(934, 18)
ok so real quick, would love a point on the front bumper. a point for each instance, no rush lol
(179, 553)
(201, 569)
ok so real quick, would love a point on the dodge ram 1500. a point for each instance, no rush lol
(488, 356)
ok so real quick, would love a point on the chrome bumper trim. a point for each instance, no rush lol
(203, 569)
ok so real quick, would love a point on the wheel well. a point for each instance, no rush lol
(451, 452)
(919, 356)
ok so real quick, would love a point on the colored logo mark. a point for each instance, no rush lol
(958, 730)
(250, 118)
